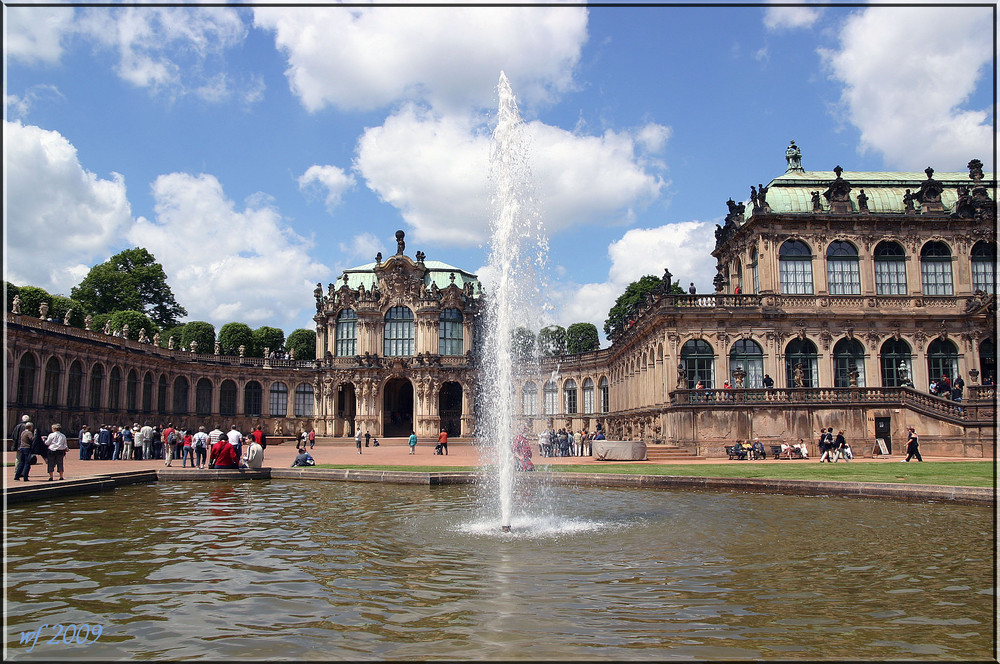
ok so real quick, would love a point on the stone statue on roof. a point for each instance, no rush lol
(400, 244)
(793, 155)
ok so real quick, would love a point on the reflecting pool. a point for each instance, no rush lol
(334, 571)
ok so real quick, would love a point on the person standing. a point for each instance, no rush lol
(443, 441)
(104, 442)
(85, 439)
(368, 437)
(768, 382)
(56, 442)
(236, 440)
(840, 447)
(200, 443)
(170, 442)
(578, 443)
(187, 449)
(825, 445)
(357, 440)
(15, 437)
(413, 442)
(312, 437)
(957, 388)
(146, 437)
(24, 451)
(912, 445)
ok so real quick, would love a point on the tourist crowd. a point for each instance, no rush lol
(564, 443)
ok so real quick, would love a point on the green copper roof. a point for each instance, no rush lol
(437, 272)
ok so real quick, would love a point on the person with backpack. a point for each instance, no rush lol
(170, 439)
(825, 445)
(200, 444)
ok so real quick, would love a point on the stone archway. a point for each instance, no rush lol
(346, 410)
(397, 411)
(450, 408)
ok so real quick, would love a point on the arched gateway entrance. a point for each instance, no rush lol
(397, 413)
(450, 408)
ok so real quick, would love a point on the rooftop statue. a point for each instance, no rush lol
(793, 155)
(400, 244)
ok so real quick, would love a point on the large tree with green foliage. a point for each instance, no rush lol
(267, 337)
(628, 304)
(200, 331)
(303, 342)
(523, 344)
(234, 335)
(32, 297)
(177, 332)
(582, 338)
(552, 340)
(130, 280)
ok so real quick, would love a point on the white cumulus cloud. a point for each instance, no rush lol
(785, 17)
(907, 72)
(36, 35)
(329, 178)
(50, 195)
(226, 263)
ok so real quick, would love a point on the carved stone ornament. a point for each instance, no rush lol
(872, 339)
(920, 340)
(838, 194)
(930, 193)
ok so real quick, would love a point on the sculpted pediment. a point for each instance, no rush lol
(399, 281)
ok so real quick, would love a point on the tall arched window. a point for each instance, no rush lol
(50, 388)
(253, 397)
(747, 354)
(115, 388)
(96, 386)
(795, 261)
(984, 259)
(74, 388)
(182, 391)
(347, 333)
(896, 362)
(278, 399)
(588, 396)
(304, 400)
(987, 361)
(754, 272)
(161, 395)
(605, 392)
(132, 391)
(848, 355)
(398, 341)
(935, 269)
(450, 333)
(699, 361)
(227, 398)
(942, 359)
(550, 394)
(147, 393)
(801, 353)
(569, 397)
(203, 397)
(738, 271)
(890, 269)
(843, 274)
(26, 370)
(529, 399)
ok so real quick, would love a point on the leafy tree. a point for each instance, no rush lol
(267, 337)
(11, 290)
(200, 331)
(582, 338)
(31, 298)
(552, 340)
(177, 332)
(135, 320)
(523, 344)
(130, 280)
(99, 321)
(628, 304)
(59, 305)
(303, 342)
(234, 335)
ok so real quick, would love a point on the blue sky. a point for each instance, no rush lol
(257, 151)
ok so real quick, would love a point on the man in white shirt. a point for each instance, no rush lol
(255, 455)
(147, 441)
(200, 443)
(235, 439)
(56, 442)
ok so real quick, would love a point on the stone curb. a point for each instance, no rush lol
(983, 496)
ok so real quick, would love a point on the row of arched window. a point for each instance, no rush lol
(128, 392)
(843, 269)
(895, 362)
(572, 403)
(398, 333)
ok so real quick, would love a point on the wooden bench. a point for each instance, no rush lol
(790, 453)
(736, 452)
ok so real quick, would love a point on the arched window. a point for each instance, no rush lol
(896, 362)
(843, 274)
(795, 260)
(699, 361)
(801, 354)
(605, 391)
(74, 388)
(738, 271)
(132, 391)
(278, 399)
(942, 359)
(848, 356)
(529, 399)
(935, 269)
(50, 388)
(147, 393)
(754, 272)
(227, 398)
(203, 397)
(890, 269)
(115, 388)
(346, 334)
(988, 362)
(550, 393)
(252, 399)
(747, 354)
(161, 395)
(569, 396)
(96, 386)
(984, 258)
(450, 333)
(588, 396)
(398, 341)
(182, 392)
(26, 370)
(303, 400)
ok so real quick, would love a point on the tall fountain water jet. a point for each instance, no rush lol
(517, 248)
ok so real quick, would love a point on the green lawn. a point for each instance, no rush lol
(945, 473)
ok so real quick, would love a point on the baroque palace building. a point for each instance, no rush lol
(850, 291)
